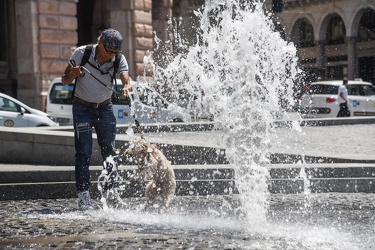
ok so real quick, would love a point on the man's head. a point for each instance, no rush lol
(111, 40)
(345, 81)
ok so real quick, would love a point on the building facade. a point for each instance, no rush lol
(38, 37)
(334, 38)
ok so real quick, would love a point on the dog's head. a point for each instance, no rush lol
(139, 152)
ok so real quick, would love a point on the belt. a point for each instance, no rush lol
(91, 104)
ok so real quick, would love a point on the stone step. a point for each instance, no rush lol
(37, 174)
(43, 182)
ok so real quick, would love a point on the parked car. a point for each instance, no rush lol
(320, 99)
(14, 113)
(149, 106)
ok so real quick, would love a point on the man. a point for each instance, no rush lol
(92, 107)
(343, 100)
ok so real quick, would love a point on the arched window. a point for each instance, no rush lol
(303, 34)
(335, 30)
(366, 30)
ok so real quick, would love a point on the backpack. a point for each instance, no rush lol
(85, 59)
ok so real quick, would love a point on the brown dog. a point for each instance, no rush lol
(153, 166)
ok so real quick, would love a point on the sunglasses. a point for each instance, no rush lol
(109, 52)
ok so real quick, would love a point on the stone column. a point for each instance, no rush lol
(57, 36)
(320, 57)
(45, 34)
(133, 19)
(352, 57)
(27, 52)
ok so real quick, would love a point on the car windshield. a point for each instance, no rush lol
(321, 89)
(61, 94)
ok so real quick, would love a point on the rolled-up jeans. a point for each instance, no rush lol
(85, 118)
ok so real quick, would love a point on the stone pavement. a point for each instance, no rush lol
(303, 222)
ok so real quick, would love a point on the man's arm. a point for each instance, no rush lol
(70, 74)
(126, 86)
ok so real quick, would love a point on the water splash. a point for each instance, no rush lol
(246, 71)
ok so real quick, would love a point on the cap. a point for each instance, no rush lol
(111, 39)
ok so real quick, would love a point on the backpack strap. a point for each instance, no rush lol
(85, 59)
(86, 54)
(116, 64)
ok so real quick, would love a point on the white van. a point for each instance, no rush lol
(149, 106)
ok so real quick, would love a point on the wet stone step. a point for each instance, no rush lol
(190, 188)
(32, 174)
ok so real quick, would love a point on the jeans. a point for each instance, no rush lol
(104, 122)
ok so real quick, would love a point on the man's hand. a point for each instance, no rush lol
(125, 93)
(76, 71)
(126, 86)
(70, 74)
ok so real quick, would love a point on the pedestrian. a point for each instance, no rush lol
(343, 100)
(92, 107)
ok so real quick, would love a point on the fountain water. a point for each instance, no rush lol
(246, 71)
